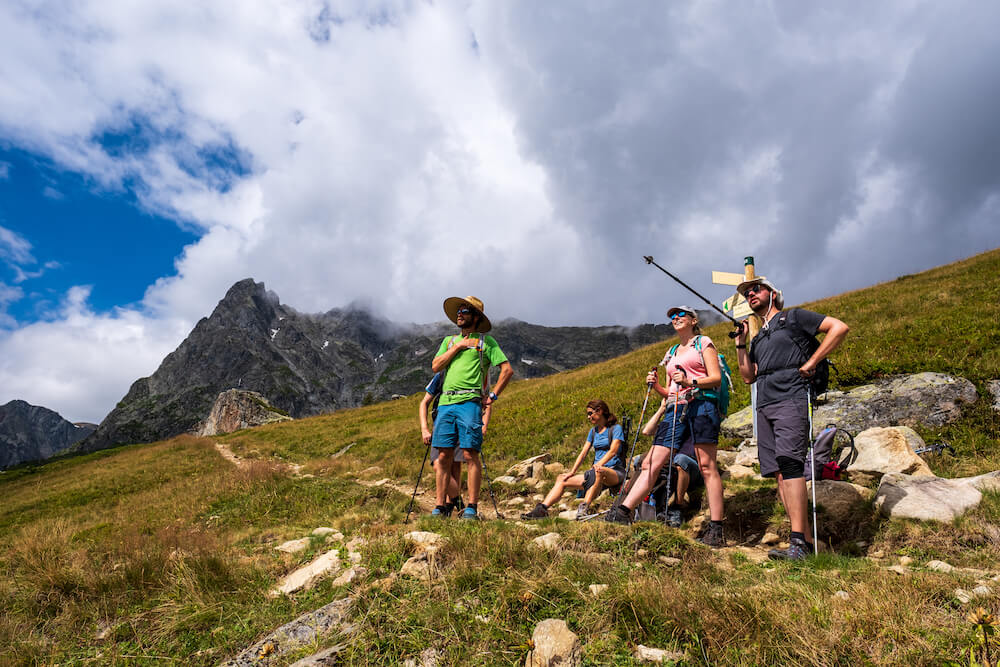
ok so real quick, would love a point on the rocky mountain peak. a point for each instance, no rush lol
(310, 364)
(33, 433)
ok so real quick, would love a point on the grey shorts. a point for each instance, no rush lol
(782, 430)
(459, 458)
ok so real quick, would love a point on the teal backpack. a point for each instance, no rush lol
(719, 395)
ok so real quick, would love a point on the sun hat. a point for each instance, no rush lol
(452, 304)
(779, 298)
(677, 309)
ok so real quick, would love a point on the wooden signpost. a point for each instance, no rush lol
(738, 307)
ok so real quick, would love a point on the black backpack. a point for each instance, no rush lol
(833, 453)
(808, 344)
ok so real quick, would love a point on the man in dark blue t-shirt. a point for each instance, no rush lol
(782, 370)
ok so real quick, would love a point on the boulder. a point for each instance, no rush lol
(350, 575)
(726, 457)
(555, 468)
(647, 654)
(736, 471)
(237, 409)
(747, 456)
(305, 630)
(421, 566)
(508, 480)
(890, 449)
(932, 498)
(549, 541)
(994, 387)
(306, 577)
(839, 498)
(926, 399)
(555, 645)
(422, 539)
(293, 546)
(525, 468)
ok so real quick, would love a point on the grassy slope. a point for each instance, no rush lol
(165, 550)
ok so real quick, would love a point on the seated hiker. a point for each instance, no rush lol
(607, 440)
(454, 492)
(673, 486)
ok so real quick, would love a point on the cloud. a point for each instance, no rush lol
(528, 153)
(4, 170)
(79, 362)
(14, 248)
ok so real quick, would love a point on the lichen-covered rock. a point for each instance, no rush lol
(304, 630)
(925, 399)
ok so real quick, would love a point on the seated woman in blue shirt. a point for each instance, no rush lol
(608, 471)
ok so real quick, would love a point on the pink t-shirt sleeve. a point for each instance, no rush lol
(689, 359)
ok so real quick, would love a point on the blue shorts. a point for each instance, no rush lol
(688, 465)
(459, 424)
(699, 419)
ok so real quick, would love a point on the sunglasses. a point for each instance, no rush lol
(591, 413)
(465, 310)
(754, 289)
(680, 313)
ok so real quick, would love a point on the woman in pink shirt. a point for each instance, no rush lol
(691, 366)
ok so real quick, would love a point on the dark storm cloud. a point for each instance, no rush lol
(650, 121)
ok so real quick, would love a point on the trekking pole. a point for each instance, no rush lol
(732, 334)
(812, 470)
(489, 485)
(628, 467)
(417, 485)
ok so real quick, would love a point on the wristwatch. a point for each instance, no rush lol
(694, 383)
(493, 396)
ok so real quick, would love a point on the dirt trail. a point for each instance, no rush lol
(241, 463)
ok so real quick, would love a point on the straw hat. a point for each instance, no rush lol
(452, 304)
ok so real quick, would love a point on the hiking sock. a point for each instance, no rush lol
(456, 500)
(797, 536)
(716, 523)
(474, 506)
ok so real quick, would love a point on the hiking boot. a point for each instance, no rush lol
(442, 512)
(619, 514)
(469, 513)
(797, 550)
(582, 511)
(712, 537)
(540, 512)
(674, 519)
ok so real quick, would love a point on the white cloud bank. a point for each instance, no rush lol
(529, 153)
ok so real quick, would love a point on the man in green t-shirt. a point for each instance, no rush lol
(465, 359)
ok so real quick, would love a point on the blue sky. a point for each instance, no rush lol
(80, 234)
(394, 153)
